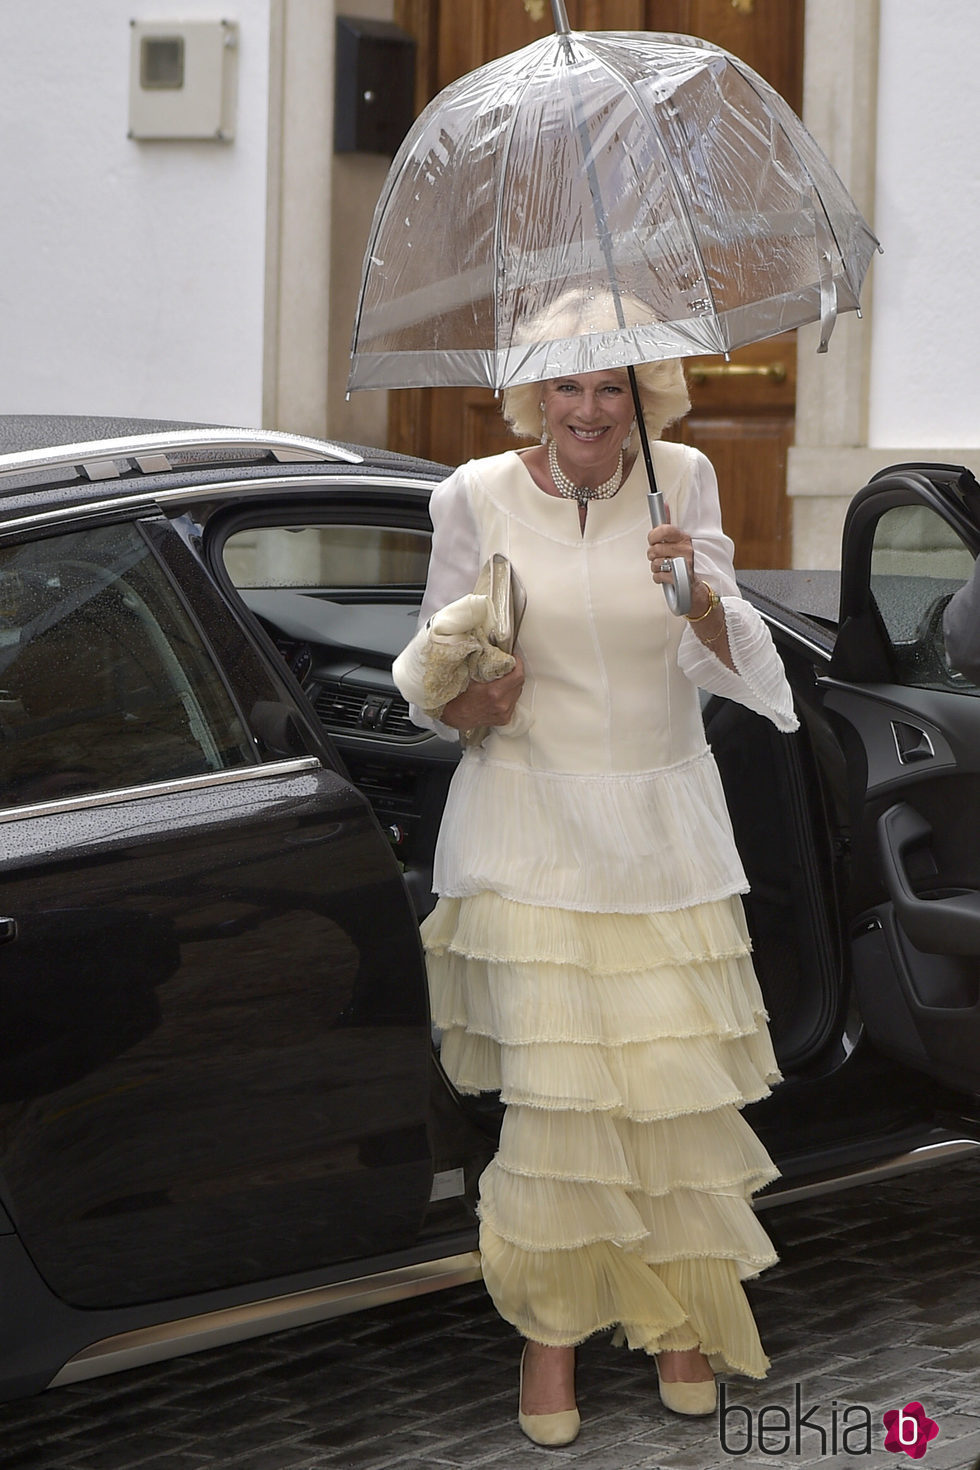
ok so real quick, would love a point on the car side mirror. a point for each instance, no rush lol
(275, 726)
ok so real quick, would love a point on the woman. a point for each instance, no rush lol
(588, 954)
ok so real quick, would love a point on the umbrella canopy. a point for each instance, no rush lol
(656, 167)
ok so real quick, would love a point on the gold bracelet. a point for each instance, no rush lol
(713, 601)
(715, 636)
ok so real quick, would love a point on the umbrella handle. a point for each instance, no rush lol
(678, 590)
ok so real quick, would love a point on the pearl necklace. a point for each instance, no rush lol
(582, 493)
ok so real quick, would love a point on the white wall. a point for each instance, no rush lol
(926, 321)
(131, 274)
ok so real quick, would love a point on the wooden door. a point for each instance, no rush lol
(742, 411)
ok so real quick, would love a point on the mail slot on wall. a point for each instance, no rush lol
(375, 92)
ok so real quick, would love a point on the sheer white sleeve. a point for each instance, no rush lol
(760, 683)
(454, 564)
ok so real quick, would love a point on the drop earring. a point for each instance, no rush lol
(629, 437)
(544, 424)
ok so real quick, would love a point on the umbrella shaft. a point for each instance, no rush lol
(561, 19)
(642, 428)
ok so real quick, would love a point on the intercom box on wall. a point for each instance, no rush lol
(375, 91)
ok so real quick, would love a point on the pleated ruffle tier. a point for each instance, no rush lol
(623, 1046)
(624, 843)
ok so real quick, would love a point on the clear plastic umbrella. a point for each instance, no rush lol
(659, 166)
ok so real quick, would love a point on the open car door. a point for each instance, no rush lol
(910, 726)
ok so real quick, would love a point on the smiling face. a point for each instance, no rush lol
(588, 416)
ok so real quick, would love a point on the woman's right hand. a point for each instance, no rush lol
(486, 704)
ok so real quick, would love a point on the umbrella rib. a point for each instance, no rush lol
(391, 183)
(749, 81)
(828, 286)
(678, 191)
(380, 208)
(602, 225)
(498, 220)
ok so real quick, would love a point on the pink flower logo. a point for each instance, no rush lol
(909, 1430)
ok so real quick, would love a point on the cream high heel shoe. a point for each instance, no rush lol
(688, 1398)
(547, 1429)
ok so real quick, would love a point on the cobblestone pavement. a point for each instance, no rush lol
(876, 1302)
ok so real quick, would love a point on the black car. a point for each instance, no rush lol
(221, 1105)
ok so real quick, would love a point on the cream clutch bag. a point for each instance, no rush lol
(472, 638)
(500, 584)
(502, 587)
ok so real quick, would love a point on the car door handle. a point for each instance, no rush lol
(946, 924)
(911, 743)
(8, 930)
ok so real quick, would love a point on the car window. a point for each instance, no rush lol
(917, 563)
(327, 557)
(104, 682)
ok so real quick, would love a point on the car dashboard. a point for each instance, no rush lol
(341, 653)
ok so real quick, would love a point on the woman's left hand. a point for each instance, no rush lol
(670, 543)
(706, 617)
(665, 543)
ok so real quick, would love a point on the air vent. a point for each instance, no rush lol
(342, 705)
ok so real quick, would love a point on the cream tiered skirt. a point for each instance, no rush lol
(623, 1046)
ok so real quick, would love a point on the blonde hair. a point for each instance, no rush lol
(662, 386)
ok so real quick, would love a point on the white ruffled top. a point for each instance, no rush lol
(602, 794)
